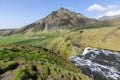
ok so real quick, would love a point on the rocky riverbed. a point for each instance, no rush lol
(99, 64)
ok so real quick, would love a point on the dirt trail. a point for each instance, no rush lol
(109, 34)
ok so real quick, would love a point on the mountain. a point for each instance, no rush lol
(5, 32)
(108, 17)
(57, 21)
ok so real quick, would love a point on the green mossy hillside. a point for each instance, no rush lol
(36, 63)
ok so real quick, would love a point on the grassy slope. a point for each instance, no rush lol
(100, 35)
(95, 38)
(52, 41)
(103, 34)
(33, 63)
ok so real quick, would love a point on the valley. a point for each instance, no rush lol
(41, 50)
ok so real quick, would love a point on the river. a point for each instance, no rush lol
(99, 64)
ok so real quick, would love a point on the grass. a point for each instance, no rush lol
(93, 38)
(52, 41)
(35, 63)
(7, 65)
(12, 39)
(25, 73)
(24, 39)
(62, 42)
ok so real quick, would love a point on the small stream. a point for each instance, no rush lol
(99, 64)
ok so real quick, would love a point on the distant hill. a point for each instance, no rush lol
(108, 17)
(6, 32)
(57, 21)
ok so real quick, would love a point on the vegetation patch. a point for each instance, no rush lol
(36, 63)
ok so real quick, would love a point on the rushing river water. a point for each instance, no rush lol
(98, 63)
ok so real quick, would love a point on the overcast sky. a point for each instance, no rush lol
(17, 13)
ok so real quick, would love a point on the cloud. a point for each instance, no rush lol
(97, 17)
(112, 13)
(97, 7)
(109, 13)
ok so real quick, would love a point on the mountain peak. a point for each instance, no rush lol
(62, 8)
(64, 12)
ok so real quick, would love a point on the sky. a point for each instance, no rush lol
(17, 13)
